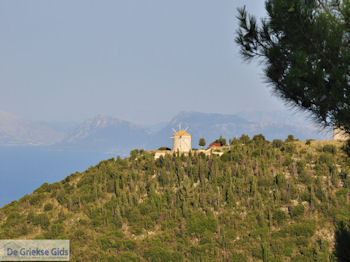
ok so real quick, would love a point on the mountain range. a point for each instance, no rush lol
(112, 135)
(17, 131)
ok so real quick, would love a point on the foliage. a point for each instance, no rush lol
(277, 143)
(259, 201)
(305, 47)
(342, 235)
(48, 207)
(164, 148)
(221, 141)
(290, 138)
(201, 142)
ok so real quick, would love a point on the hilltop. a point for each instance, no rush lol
(259, 201)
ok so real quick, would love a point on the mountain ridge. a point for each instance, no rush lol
(103, 133)
(15, 130)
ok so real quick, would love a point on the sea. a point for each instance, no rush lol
(24, 169)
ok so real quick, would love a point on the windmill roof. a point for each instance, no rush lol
(181, 133)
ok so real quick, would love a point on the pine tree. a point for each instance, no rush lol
(306, 50)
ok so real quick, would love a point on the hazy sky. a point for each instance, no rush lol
(143, 60)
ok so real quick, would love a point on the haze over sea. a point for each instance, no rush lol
(23, 169)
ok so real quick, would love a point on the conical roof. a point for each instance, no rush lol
(181, 133)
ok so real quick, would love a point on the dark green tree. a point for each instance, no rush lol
(290, 138)
(342, 241)
(304, 45)
(221, 141)
(202, 142)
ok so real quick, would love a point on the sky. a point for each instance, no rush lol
(141, 60)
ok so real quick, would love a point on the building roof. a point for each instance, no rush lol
(181, 133)
(215, 145)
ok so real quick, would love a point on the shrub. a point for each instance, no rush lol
(326, 158)
(290, 138)
(41, 220)
(44, 188)
(54, 231)
(163, 148)
(158, 254)
(279, 216)
(258, 139)
(346, 147)
(330, 149)
(35, 199)
(48, 207)
(308, 142)
(199, 223)
(221, 141)
(305, 229)
(297, 211)
(277, 143)
(128, 257)
(244, 139)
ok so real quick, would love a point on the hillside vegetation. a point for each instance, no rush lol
(259, 201)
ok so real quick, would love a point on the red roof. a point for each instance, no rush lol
(215, 145)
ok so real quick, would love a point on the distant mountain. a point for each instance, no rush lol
(278, 124)
(17, 131)
(211, 126)
(108, 134)
(105, 134)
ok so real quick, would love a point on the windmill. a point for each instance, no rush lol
(181, 140)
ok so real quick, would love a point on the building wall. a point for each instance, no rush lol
(339, 134)
(182, 143)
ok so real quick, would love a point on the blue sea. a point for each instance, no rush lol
(23, 169)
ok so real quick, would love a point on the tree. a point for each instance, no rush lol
(305, 47)
(202, 142)
(290, 138)
(221, 141)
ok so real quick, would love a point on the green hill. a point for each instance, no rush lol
(259, 201)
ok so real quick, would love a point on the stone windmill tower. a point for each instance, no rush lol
(181, 141)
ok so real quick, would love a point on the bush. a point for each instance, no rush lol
(288, 161)
(330, 149)
(35, 199)
(342, 240)
(44, 188)
(305, 229)
(297, 211)
(289, 148)
(290, 138)
(163, 148)
(14, 218)
(280, 180)
(48, 207)
(199, 223)
(308, 142)
(244, 139)
(279, 216)
(346, 147)
(41, 220)
(158, 254)
(258, 139)
(326, 158)
(128, 257)
(277, 143)
(221, 141)
(55, 231)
